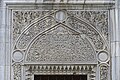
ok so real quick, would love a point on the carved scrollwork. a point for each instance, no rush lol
(17, 71)
(104, 69)
(30, 33)
(59, 45)
(23, 18)
(99, 19)
(92, 33)
(87, 30)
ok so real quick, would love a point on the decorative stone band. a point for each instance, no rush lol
(89, 70)
(17, 71)
(104, 72)
(60, 67)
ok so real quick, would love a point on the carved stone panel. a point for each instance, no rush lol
(50, 40)
(24, 18)
(61, 45)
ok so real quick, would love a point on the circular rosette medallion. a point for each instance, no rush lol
(103, 56)
(17, 55)
(60, 16)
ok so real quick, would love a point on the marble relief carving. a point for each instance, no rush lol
(60, 37)
(17, 71)
(104, 72)
(90, 32)
(23, 18)
(61, 45)
(99, 19)
(61, 69)
(31, 32)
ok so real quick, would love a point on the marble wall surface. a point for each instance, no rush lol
(6, 72)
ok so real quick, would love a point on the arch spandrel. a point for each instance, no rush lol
(21, 19)
(31, 31)
(87, 29)
(99, 20)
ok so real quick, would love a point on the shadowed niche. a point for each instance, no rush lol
(60, 77)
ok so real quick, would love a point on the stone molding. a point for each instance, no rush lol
(89, 70)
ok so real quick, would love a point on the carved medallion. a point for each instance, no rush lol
(103, 56)
(17, 55)
(60, 16)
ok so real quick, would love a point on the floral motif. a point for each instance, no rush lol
(17, 71)
(104, 72)
(99, 19)
(35, 29)
(87, 30)
(23, 18)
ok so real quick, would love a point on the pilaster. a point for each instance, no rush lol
(2, 45)
(117, 42)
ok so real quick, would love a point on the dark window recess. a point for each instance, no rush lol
(60, 77)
